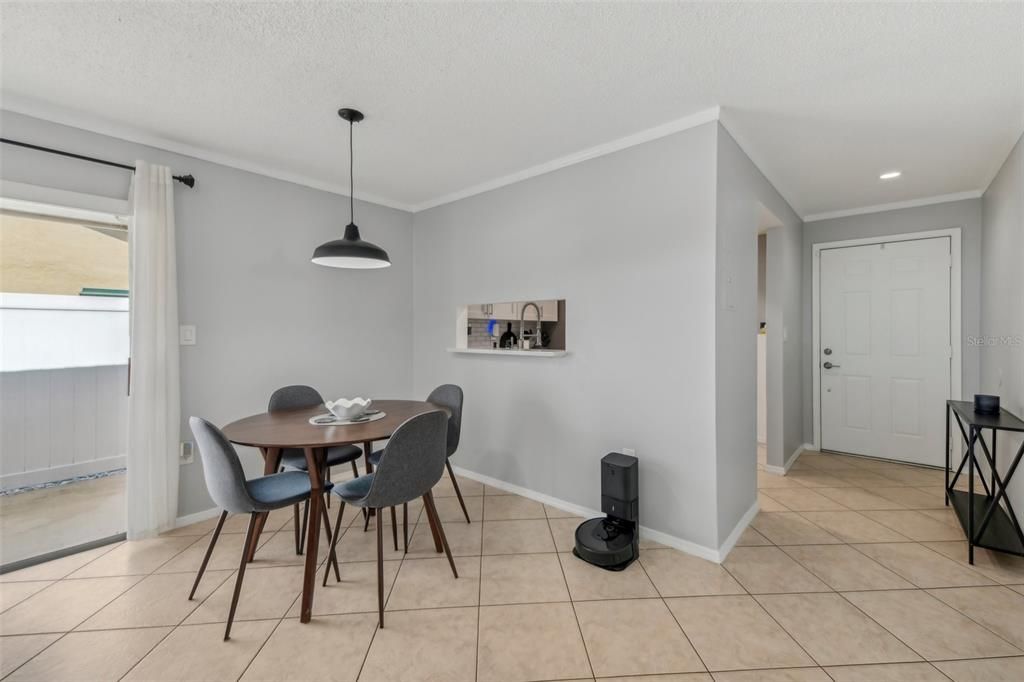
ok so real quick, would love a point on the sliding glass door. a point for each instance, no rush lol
(63, 382)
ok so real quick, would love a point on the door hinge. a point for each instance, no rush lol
(949, 352)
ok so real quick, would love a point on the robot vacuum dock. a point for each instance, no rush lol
(613, 542)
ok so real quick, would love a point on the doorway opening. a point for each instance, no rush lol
(762, 350)
(63, 380)
(769, 329)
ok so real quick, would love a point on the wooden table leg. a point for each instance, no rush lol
(316, 499)
(271, 463)
(367, 451)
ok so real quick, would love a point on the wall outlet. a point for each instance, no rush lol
(187, 335)
(186, 452)
(629, 451)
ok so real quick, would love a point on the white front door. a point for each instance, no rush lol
(885, 349)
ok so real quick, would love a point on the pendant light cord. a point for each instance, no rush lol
(351, 177)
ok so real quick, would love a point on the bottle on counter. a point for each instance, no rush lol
(508, 339)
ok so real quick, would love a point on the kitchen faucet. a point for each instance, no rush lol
(522, 321)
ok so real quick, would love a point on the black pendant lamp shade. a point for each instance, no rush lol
(351, 251)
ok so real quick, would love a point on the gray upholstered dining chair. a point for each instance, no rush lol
(448, 396)
(294, 459)
(235, 495)
(411, 464)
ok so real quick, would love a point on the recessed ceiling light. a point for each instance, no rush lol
(890, 175)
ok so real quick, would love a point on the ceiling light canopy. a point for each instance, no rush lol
(351, 251)
(890, 175)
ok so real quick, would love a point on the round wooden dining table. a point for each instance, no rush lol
(273, 432)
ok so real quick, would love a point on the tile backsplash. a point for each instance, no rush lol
(479, 338)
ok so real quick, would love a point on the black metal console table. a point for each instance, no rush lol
(986, 523)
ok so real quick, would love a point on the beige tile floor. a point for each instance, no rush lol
(49, 519)
(871, 585)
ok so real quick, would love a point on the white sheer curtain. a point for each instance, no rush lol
(153, 406)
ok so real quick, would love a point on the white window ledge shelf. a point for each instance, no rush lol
(516, 353)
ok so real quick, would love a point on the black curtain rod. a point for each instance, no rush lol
(186, 180)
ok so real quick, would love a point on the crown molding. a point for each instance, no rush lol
(663, 130)
(62, 116)
(100, 126)
(896, 205)
(759, 162)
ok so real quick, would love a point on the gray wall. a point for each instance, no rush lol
(741, 192)
(964, 214)
(1002, 302)
(628, 239)
(265, 315)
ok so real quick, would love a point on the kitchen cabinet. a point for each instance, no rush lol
(505, 311)
(548, 311)
(511, 311)
(494, 311)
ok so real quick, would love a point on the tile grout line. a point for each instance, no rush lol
(263, 644)
(110, 548)
(68, 632)
(480, 589)
(181, 622)
(679, 625)
(843, 597)
(572, 603)
(391, 589)
(915, 585)
(893, 634)
(769, 614)
(557, 554)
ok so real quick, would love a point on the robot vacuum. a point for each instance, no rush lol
(613, 542)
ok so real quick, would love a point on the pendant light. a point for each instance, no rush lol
(351, 251)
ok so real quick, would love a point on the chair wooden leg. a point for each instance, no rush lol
(380, 570)
(433, 529)
(305, 522)
(327, 479)
(405, 528)
(428, 501)
(366, 522)
(209, 552)
(355, 469)
(458, 493)
(332, 557)
(298, 534)
(394, 528)
(241, 575)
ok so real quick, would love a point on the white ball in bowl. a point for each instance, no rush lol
(345, 408)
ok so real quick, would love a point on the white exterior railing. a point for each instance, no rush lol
(63, 387)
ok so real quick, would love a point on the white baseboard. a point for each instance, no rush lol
(716, 555)
(783, 470)
(737, 531)
(189, 519)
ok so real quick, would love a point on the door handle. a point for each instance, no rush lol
(829, 365)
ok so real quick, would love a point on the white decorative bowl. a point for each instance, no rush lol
(345, 409)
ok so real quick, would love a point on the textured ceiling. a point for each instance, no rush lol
(824, 97)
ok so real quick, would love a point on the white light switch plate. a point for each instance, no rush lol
(187, 335)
